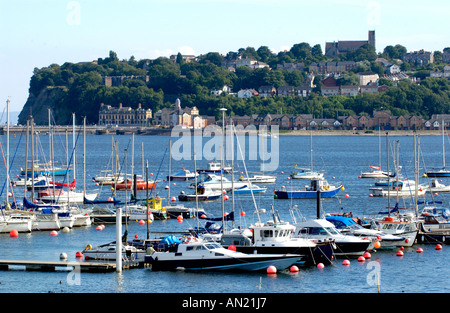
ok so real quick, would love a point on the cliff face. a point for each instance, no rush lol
(49, 98)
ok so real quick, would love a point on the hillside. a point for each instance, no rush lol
(82, 87)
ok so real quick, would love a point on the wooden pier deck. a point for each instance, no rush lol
(51, 266)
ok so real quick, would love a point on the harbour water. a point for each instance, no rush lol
(343, 159)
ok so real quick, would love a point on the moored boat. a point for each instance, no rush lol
(130, 185)
(321, 229)
(310, 191)
(199, 255)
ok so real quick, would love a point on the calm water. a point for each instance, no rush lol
(343, 158)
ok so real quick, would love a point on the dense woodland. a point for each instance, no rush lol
(78, 87)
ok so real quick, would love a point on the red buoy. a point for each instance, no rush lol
(346, 262)
(367, 255)
(294, 268)
(320, 265)
(419, 250)
(78, 254)
(232, 247)
(361, 259)
(242, 213)
(271, 270)
(54, 233)
(438, 247)
(399, 253)
(14, 233)
(141, 222)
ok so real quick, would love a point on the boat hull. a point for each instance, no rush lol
(303, 194)
(251, 262)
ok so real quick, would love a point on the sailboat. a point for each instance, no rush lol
(376, 171)
(309, 173)
(440, 172)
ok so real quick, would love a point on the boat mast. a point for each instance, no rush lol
(416, 176)
(389, 178)
(443, 144)
(146, 176)
(32, 159)
(26, 162)
(196, 191)
(221, 167)
(84, 160)
(7, 154)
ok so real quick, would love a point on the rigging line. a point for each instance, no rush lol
(157, 174)
(12, 162)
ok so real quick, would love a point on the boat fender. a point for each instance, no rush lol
(322, 188)
(88, 247)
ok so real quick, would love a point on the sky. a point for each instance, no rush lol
(38, 33)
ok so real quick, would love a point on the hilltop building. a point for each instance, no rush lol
(333, 49)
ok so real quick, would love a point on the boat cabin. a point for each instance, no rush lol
(317, 228)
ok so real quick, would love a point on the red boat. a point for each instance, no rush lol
(140, 185)
(72, 184)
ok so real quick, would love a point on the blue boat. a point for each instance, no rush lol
(249, 190)
(438, 173)
(310, 192)
(183, 175)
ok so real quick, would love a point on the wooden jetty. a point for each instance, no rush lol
(51, 266)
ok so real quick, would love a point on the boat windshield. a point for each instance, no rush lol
(332, 230)
(211, 246)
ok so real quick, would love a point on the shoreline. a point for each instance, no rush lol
(149, 131)
(361, 133)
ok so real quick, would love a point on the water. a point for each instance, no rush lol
(343, 158)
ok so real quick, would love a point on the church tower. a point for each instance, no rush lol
(372, 38)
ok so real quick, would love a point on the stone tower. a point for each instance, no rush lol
(372, 38)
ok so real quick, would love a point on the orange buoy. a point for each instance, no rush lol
(367, 255)
(14, 233)
(294, 268)
(399, 253)
(438, 247)
(361, 259)
(320, 265)
(419, 250)
(271, 270)
(346, 262)
(232, 247)
(377, 245)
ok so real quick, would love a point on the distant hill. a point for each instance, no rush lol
(81, 88)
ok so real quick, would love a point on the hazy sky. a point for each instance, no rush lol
(37, 33)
